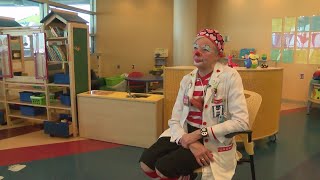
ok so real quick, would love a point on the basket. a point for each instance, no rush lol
(39, 100)
(111, 81)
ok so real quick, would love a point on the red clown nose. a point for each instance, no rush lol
(197, 53)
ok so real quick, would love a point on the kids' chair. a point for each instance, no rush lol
(253, 103)
(135, 86)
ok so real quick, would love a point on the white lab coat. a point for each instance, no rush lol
(230, 89)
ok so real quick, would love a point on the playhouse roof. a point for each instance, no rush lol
(64, 16)
(8, 22)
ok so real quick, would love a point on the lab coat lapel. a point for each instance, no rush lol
(214, 80)
(193, 76)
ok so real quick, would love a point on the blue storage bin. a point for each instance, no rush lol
(65, 99)
(32, 111)
(14, 106)
(2, 119)
(58, 129)
(61, 78)
(25, 96)
(65, 116)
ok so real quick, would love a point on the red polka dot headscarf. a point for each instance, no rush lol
(215, 37)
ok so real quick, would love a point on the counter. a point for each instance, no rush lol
(114, 117)
(265, 81)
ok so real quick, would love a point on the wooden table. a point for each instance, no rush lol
(146, 79)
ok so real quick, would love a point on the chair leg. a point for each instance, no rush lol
(253, 173)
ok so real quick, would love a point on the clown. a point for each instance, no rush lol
(209, 105)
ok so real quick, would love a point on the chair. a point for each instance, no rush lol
(253, 103)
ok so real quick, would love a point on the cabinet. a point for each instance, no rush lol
(119, 118)
(313, 95)
(63, 55)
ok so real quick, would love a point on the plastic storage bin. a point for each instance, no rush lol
(32, 111)
(58, 129)
(65, 116)
(112, 81)
(39, 100)
(25, 96)
(65, 99)
(2, 117)
(61, 78)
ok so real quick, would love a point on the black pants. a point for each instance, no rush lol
(169, 158)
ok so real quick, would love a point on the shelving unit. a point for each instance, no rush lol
(74, 61)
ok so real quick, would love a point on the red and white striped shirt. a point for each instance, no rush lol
(195, 115)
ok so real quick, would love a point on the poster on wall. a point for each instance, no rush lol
(275, 54)
(315, 23)
(303, 23)
(289, 24)
(314, 56)
(288, 40)
(315, 40)
(302, 40)
(287, 56)
(276, 24)
(276, 40)
(301, 56)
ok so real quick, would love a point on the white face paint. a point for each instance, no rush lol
(204, 54)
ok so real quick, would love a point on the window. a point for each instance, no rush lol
(87, 14)
(26, 13)
(30, 12)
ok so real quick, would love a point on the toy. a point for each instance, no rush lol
(264, 57)
(247, 63)
(230, 63)
(264, 65)
(245, 51)
(254, 60)
(316, 75)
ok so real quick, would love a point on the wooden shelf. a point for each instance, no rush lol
(58, 85)
(24, 84)
(26, 89)
(58, 105)
(56, 39)
(57, 62)
(17, 101)
(17, 114)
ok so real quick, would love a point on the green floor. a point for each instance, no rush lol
(295, 155)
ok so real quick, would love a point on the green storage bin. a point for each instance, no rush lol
(112, 81)
(39, 100)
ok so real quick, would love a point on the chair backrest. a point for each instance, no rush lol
(253, 103)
